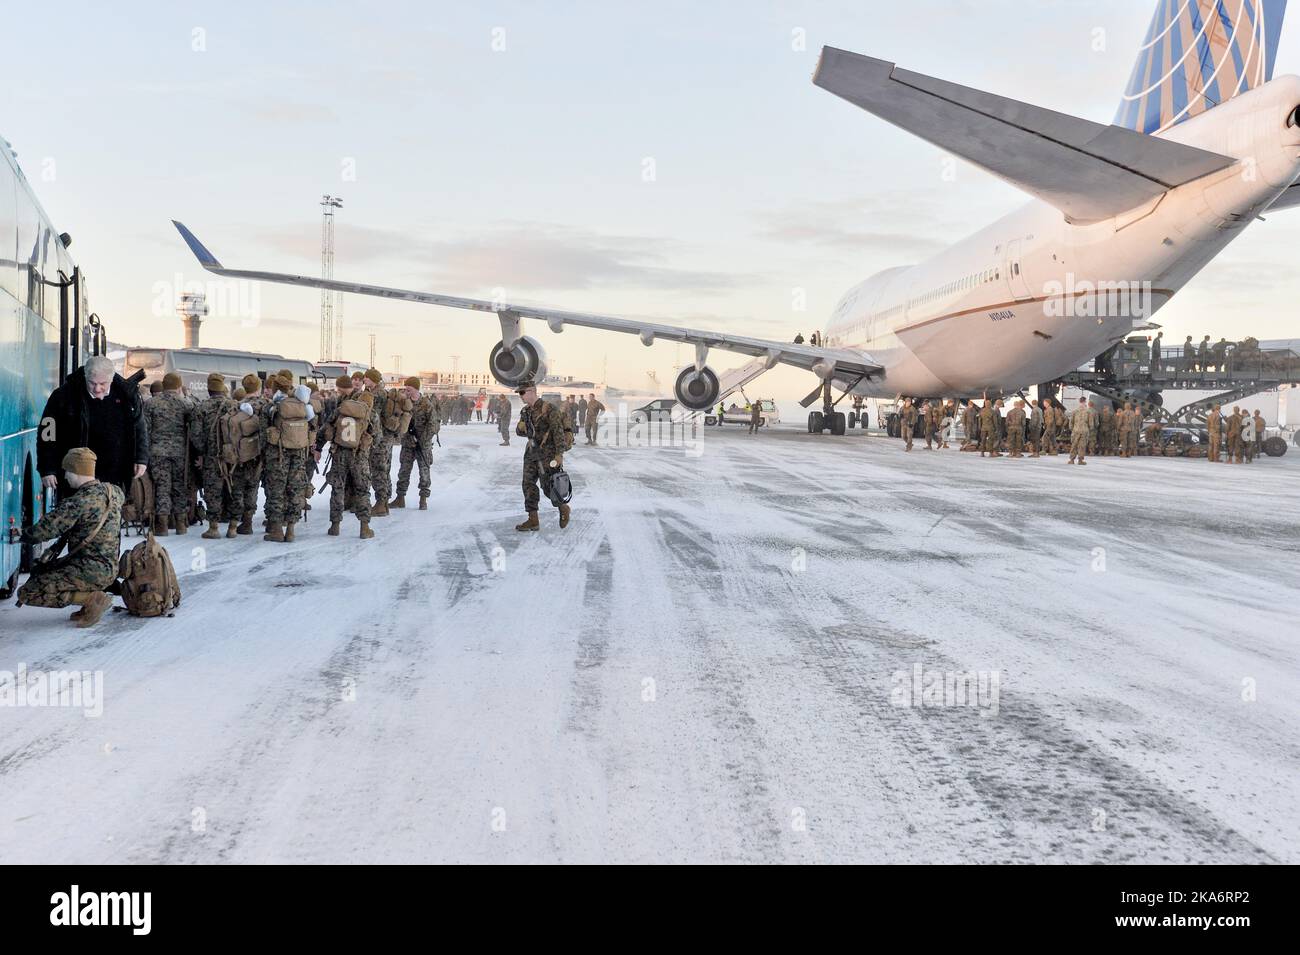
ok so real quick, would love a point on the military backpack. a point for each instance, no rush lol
(290, 430)
(397, 413)
(350, 420)
(149, 586)
(137, 509)
(238, 436)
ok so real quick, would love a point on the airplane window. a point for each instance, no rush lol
(1015, 268)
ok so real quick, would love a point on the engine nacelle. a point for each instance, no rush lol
(697, 390)
(511, 366)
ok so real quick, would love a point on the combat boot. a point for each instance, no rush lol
(159, 526)
(246, 523)
(233, 529)
(213, 532)
(380, 509)
(182, 523)
(93, 608)
(564, 515)
(424, 503)
(531, 524)
(334, 529)
(288, 532)
(399, 501)
(274, 532)
(366, 532)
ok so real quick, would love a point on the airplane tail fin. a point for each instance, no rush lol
(1196, 55)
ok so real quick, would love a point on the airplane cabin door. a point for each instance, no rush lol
(1015, 273)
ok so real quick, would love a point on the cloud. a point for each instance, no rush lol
(841, 224)
(524, 258)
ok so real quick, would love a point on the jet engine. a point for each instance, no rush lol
(512, 365)
(697, 390)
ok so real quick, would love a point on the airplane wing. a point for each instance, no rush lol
(839, 363)
(1088, 171)
(1289, 199)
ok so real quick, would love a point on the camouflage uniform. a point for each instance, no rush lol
(1213, 424)
(1094, 425)
(505, 408)
(170, 417)
(285, 471)
(544, 426)
(381, 452)
(1079, 421)
(247, 477)
(94, 566)
(1052, 419)
(1035, 429)
(1106, 431)
(1133, 429)
(594, 409)
(988, 430)
(1016, 432)
(349, 470)
(207, 443)
(417, 447)
(908, 424)
(1234, 437)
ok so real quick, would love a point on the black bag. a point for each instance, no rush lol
(559, 489)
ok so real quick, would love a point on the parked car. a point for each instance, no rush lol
(661, 409)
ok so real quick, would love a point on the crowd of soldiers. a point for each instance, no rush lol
(271, 435)
(1041, 427)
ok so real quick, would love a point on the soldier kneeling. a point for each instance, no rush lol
(89, 523)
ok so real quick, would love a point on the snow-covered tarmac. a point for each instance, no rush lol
(707, 665)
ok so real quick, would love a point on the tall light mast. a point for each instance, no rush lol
(331, 303)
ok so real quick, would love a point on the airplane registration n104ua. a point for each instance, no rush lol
(1122, 216)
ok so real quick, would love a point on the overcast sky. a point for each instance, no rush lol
(508, 145)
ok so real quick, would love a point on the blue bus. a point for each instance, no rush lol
(46, 332)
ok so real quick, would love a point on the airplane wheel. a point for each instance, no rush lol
(1274, 447)
(853, 419)
(892, 427)
(710, 421)
(837, 423)
(815, 423)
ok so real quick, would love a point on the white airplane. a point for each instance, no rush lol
(1123, 216)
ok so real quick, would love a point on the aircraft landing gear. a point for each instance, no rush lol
(828, 419)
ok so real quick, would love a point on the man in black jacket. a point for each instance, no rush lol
(94, 408)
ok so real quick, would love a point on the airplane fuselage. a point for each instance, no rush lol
(1034, 296)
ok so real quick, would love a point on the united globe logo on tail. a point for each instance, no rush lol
(1196, 55)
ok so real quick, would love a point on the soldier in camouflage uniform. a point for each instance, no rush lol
(247, 477)
(170, 418)
(1035, 428)
(206, 440)
(504, 411)
(417, 445)
(1051, 426)
(1079, 422)
(544, 426)
(317, 403)
(348, 474)
(907, 423)
(381, 452)
(1133, 430)
(989, 430)
(89, 522)
(1094, 425)
(1016, 430)
(285, 470)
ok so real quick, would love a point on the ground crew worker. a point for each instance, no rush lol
(170, 418)
(989, 430)
(1016, 430)
(348, 474)
(88, 523)
(206, 439)
(1234, 436)
(381, 452)
(417, 446)
(284, 465)
(1214, 425)
(504, 411)
(594, 410)
(908, 422)
(544, 427)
